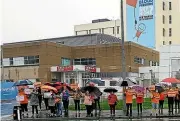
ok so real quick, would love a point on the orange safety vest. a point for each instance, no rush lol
(129, 96)
(171, 93)
(155, 97)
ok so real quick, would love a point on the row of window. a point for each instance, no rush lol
(170, 32)
(164, 43)
(145, 62)
(101, 30)
(18, 61)
(164, 6)
(170, 19)
(84, 61)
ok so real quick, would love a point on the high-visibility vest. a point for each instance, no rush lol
(171, 93)
(155, 97)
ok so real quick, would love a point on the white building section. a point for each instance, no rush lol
(169, 65)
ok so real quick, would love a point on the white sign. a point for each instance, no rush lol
(27, 91)
(19, 98)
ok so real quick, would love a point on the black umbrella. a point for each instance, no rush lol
(110, 90)
(91, 89)
(159, 88)
(127, 83)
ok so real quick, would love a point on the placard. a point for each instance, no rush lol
(19, 98)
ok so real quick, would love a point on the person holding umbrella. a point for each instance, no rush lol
(23, 102)
(112, 99)
(88, 100)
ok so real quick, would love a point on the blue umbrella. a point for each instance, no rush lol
(23, 83)
(96, 81)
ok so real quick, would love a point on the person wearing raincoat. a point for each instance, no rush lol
(24, 102)
(155, 102)
(161, 101)
(129, 99)
(177, 99)
(65, 99)
(34, 101)
(77, 96)
(112, 101)
(51, 103)
(171, 94)
(139, 101)
(88, 101)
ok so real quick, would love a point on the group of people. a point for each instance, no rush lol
(56, 102)
(157, 100)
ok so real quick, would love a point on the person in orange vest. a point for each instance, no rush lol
(155, 102)
(171, 95)
(161, 102)
(177, 99)
(129, 99)
(112, 101)
(139, 101)
(24, 102)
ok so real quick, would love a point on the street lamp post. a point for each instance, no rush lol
(123, 53)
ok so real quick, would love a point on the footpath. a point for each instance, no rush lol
(103, 115)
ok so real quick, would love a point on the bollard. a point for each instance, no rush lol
(18, 113)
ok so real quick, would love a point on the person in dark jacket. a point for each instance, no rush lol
(34, 101)
(39, 97)
(177, 99)
(171, 96)
(46, 100)
(65, 100)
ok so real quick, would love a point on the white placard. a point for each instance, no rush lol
(47, 95)
(19, 98)
(27, 91)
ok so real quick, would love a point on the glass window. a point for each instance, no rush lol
(102, 83)
(84, 61)
(117, 29)
(113, 30)
(170, 42)
(163, 5)
(163, 18)
(65, 61)
(164, 32)
(163, 42)
(170, 7)
(11, 61)
(113, 83)
(170, 32)
(170, 19)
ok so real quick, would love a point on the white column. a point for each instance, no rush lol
(80, 79)
(64, 77)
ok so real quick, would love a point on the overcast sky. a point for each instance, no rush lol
(24, 20)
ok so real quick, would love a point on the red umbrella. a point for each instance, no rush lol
(131, 2)
(171, 80)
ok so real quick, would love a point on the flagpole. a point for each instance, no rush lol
(123, 53)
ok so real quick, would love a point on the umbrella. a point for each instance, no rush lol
(171, 80)
(110, 90)
(48, 84)
(138, 88)
(37, 84)
(126, 83)
(46, 87)
(159, 88)
(61, 85)
(23, 83)
(96, 81)
(91, 89)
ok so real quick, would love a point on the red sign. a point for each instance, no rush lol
(90, 68)
(64, 68)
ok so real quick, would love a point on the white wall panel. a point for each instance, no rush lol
(18, 61)
(6, 62)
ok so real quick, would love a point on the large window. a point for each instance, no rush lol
(170, 32)
(84, 61)
(11, 61)
(170, 6)
(113, 83)
(102, 83)
(30, 60)
(170, 19)
(139, 60)
(65, 61)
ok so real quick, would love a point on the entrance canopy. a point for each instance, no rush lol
(75, 68)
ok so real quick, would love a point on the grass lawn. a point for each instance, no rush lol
(105, 106)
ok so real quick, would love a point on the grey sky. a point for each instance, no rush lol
(24, 20)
